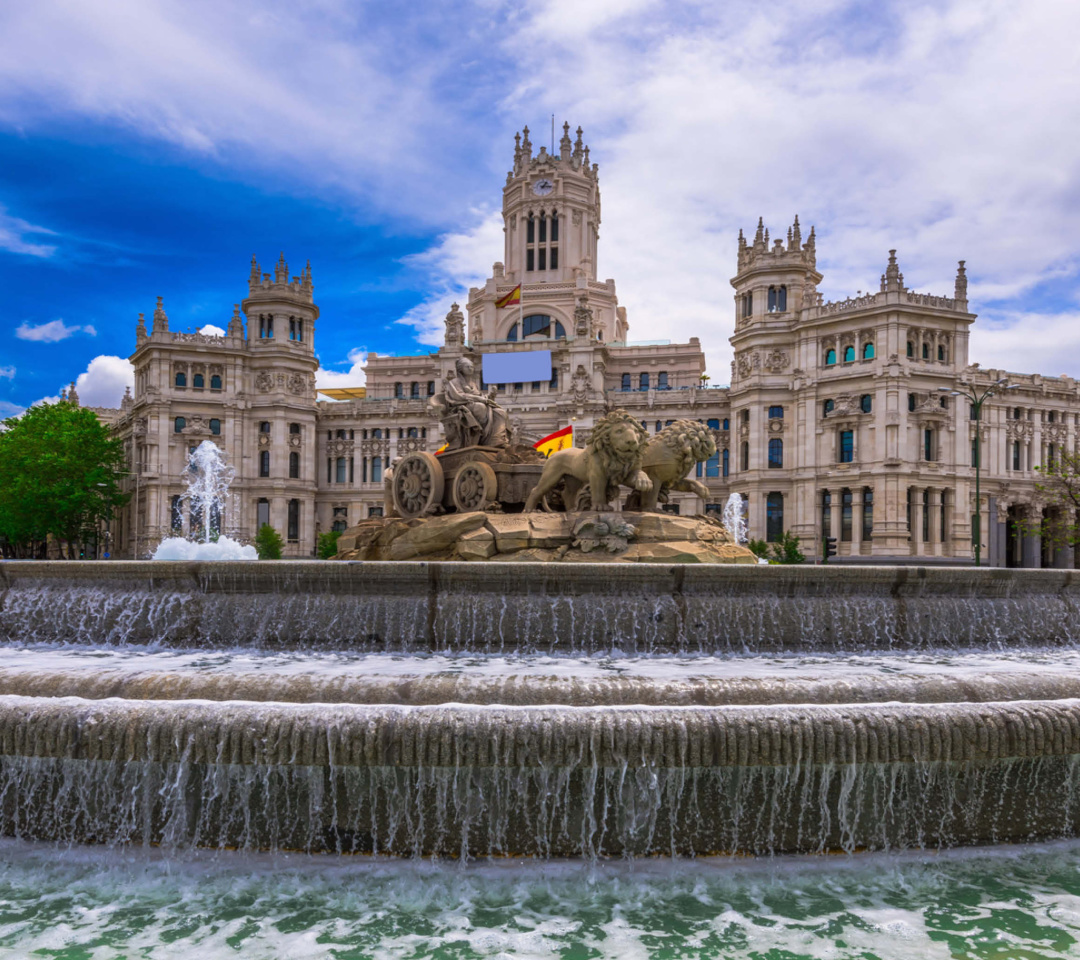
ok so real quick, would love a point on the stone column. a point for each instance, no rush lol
(933, 543)
(857, 545)
(834, 516)
(1031, 544)
(916, 500)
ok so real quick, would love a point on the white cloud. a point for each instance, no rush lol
(102, 383)
(353, 377)
(15, 237)
(454, 263)
(211, 330)
(9, 409)
(52, 332)
(7, 373)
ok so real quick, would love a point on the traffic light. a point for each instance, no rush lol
(830, 548)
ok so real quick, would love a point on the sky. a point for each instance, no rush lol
(150, 148)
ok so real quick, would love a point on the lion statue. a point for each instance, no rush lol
(669, 457)
(611, 458)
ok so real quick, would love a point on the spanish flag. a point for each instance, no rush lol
(441, 449)
(559, 440)
(514, 296)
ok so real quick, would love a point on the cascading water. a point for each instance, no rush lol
(208, 477)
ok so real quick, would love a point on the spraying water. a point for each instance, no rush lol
(734, 518)
(208, 477)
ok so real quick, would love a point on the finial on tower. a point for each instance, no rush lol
(236, 324)
(564, 143)
(140, 328)
(526, 145)
(578, 147)
(894, 280)
(161, 321)
(796, 234)
(72, 396)
(961, 282)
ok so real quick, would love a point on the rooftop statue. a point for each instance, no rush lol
(611, 459)
(470, 417)
(669, 457)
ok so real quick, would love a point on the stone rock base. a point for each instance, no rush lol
(588, 537)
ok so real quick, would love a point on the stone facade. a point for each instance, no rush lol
(836, 422)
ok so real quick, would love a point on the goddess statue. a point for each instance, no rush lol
(469, 417)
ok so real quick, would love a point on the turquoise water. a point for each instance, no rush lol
(1014, 903)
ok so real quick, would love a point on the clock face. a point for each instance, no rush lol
(543, 187)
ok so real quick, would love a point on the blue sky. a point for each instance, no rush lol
(150, 148)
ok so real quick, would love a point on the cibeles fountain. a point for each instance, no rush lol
(485, 496)
(511, 665)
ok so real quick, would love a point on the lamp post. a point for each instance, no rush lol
(977, 399)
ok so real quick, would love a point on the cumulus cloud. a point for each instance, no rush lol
(212, 330)
(102, 383)
(7, 373)
(18, 236)
(454, 263)
(52, 332)
(353, 377)
(9, 409)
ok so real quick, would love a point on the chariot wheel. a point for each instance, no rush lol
(417, 485)
(475, 486)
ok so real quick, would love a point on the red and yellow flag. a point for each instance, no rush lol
(514, 296)
(441, 449)
(559, 440)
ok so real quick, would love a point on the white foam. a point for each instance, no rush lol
(224, 548)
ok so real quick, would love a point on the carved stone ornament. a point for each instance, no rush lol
(583, 318)
(747, 363)
(455, 327)
(297, 384)
(580, 384)
(576, 218)
(264, 381)
(776, 361)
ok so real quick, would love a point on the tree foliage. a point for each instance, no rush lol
(268, 543)
(785, 550)
(1058, 487)
(60, 475)
(327, 547)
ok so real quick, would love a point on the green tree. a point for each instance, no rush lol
(60, 474)
(786, 549)
(327, 548)
(268, 543)
(1058, 487)
(758, 547)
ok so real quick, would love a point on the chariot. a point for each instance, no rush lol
(463, 480)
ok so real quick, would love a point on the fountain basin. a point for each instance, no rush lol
(417, 606)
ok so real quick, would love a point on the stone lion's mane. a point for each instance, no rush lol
(617, 465)
(689, 441)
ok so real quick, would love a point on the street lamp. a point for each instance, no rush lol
(977, 400)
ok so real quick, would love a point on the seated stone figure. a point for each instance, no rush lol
(469, 417)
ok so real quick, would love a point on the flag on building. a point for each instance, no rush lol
(513, 297)
(559, 440)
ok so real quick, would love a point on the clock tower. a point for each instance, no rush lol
(551, 224)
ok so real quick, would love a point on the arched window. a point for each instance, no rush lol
(725, 462)
(294, 520)
(399, 391)
(827, 407)
(264, 426)
(849, 354)
(866, 403)
(1016, 455)
(776, 452)
(376, 434)
(626, 382)
(431, 388)
(868, 351)
(262, 513)
(294, 428)
(643, 381)
(376, 469)
(830, 357)
(928, 444)
(180, 380)
(774, 517)
(781, 299)
(712, 466)
(414, 390)
(339, 470)
(941, 352)
(744, 456)
(662, 381)
(264, 463)
(772, 300)
(538, 326)
(215, 382)
(747, 304)
(926, 351)
(847, 446)
(178, 425)
(294, 466)
(911, 349)
(912, 401)
(215, 427)
(412, 432)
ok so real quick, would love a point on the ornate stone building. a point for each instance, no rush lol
(837, 421)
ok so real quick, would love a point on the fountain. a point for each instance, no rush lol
(735, 517)
(570, 708)
(208, 477)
